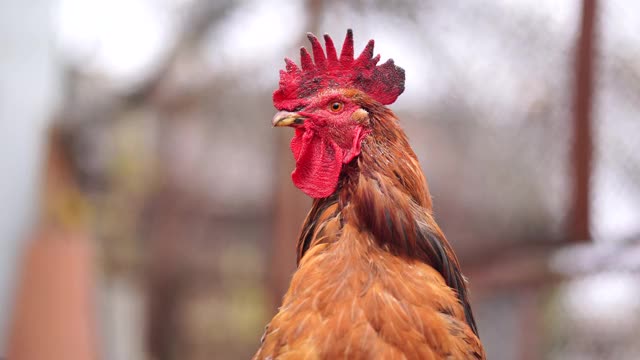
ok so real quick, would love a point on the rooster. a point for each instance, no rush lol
(376, 278)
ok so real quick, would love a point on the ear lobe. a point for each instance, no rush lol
(361, 116)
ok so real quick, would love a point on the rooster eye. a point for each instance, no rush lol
(336, 106)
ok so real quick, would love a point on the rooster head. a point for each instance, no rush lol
(325, 101)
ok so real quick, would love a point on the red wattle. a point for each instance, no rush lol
(318, 164)
(319, 159)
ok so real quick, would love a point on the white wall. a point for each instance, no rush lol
(29, 79)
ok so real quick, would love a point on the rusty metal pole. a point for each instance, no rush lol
(582, 132)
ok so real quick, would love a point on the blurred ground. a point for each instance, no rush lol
(164, 109)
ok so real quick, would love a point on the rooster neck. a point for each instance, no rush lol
(382, 191)
(385, 192)
(373, 186)
(388, 160)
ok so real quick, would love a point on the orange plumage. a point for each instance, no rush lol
(376, 278)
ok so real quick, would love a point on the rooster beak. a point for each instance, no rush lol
(285, 118)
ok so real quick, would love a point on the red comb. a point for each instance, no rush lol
(383, 83)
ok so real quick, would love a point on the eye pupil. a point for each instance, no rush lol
(336, 106)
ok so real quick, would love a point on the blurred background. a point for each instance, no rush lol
(137, 134)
